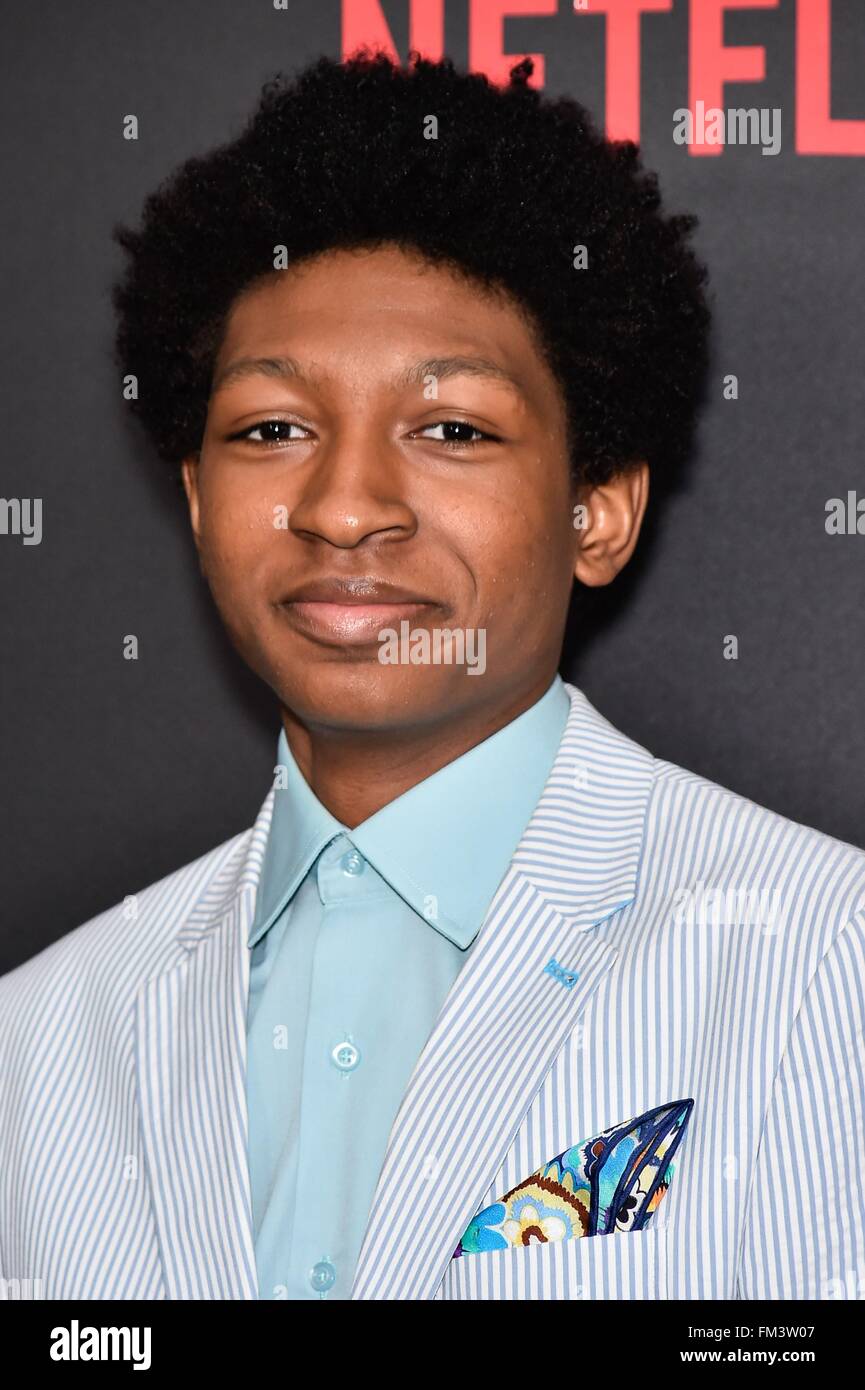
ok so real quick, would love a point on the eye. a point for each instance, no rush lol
(456, 434)
(270, 432)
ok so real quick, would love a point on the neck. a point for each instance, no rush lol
(354, 773)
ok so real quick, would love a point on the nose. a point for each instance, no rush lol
(355, 490)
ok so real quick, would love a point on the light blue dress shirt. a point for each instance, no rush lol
(357, 938)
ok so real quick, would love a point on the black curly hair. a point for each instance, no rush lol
(338, 157)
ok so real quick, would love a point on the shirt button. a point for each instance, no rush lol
(345, 1056)
(352, 863)
(322, 1276)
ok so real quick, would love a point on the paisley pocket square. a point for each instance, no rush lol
(612, 1182)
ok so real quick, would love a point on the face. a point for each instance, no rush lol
(385, 459)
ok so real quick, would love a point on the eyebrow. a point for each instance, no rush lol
(280, 367)
(441, 368)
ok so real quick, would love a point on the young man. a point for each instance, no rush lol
(489, 1002)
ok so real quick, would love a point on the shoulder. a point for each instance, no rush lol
(689, 832)
(128, 942)
(705, 834)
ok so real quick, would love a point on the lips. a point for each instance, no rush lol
(352, 612)
(363, 589)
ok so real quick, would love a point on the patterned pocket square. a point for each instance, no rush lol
(612, 1182)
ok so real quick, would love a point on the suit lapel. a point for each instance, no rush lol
(507, 1015)
(191, 1072)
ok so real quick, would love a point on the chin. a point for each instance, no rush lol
(365, 698)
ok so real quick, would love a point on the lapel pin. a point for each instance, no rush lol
(568, 978)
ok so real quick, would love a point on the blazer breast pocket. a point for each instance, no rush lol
(631, 1265)
(583, 1225)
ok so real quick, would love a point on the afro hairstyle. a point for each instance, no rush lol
(339, 157)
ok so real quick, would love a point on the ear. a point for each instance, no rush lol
(611, 515)
(189, 473)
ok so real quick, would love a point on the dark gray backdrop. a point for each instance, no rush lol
(116, 772)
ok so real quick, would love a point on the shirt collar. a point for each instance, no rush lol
(444, 845)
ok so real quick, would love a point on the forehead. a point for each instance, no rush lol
(378, 308)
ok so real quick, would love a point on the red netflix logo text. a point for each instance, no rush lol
(711, 63)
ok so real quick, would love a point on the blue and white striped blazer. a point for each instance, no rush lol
(719, 951)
